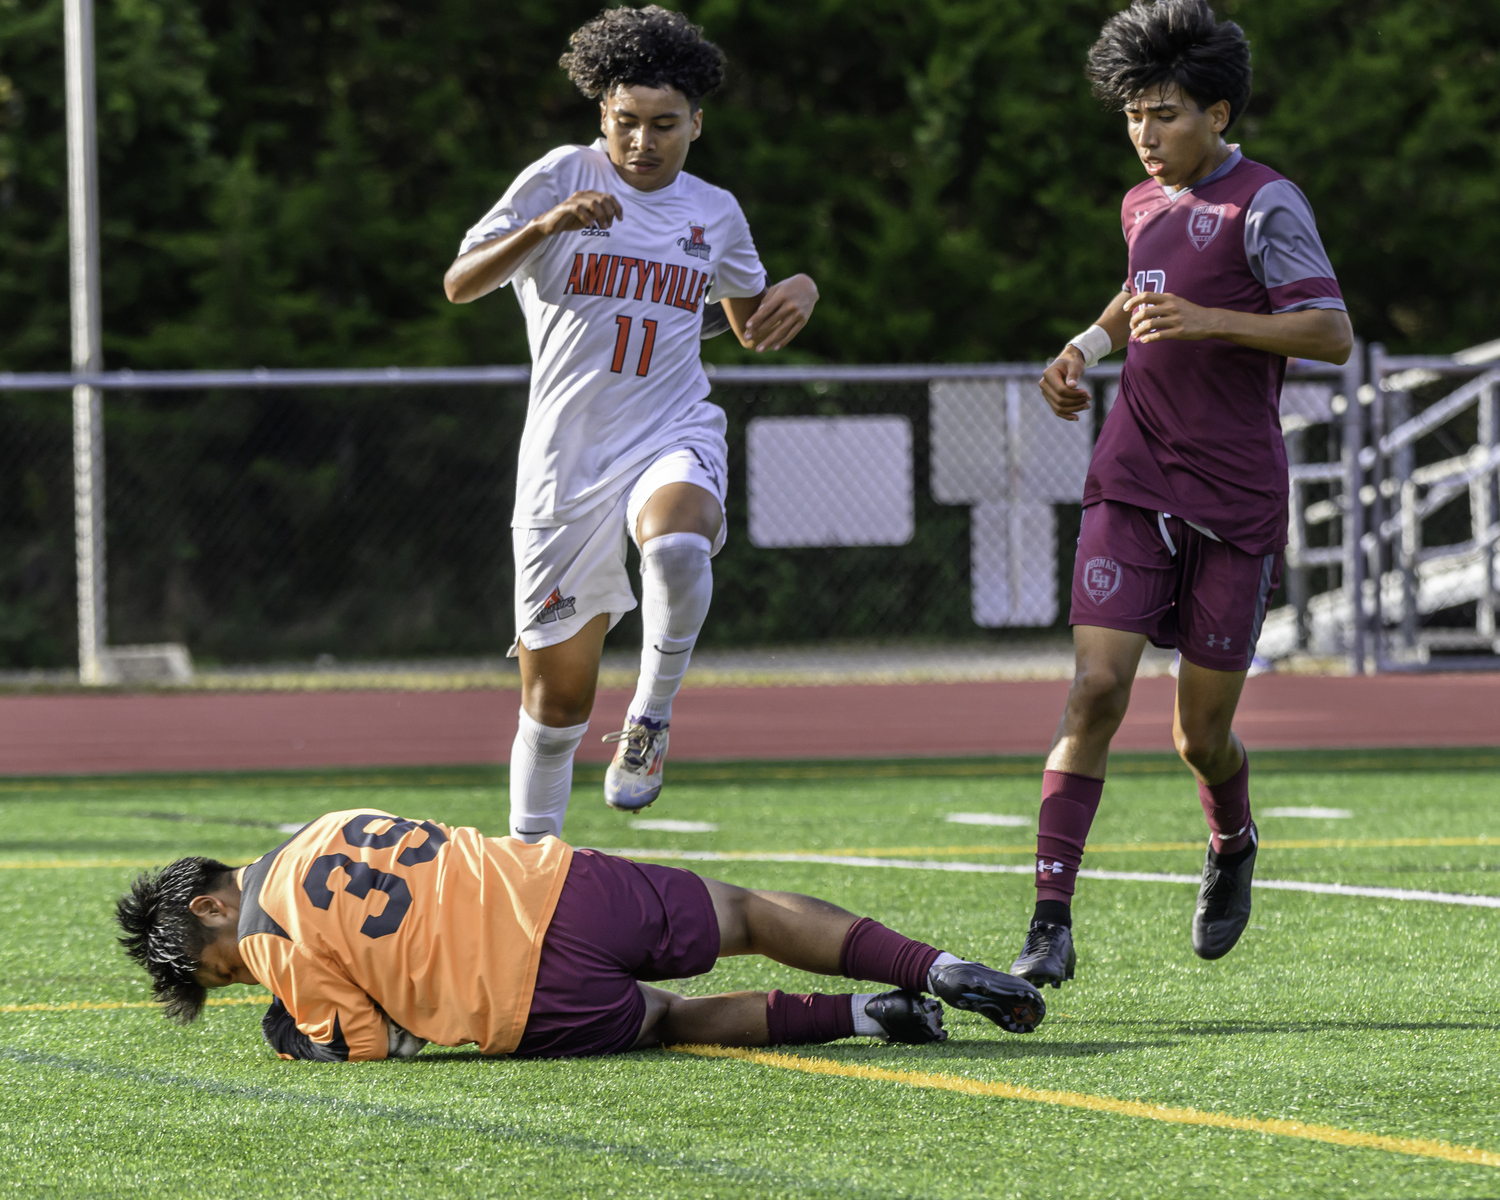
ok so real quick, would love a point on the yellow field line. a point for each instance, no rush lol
(108, 1005)
(1420, 1147)
(918, 851)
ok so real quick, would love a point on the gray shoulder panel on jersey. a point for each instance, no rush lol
(253, 918)
(1282, 242)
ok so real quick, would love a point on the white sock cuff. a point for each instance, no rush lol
(551, 739)
(672, 541)
(864, 1024)
(941, 961)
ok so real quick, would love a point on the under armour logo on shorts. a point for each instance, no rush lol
(1221, 644)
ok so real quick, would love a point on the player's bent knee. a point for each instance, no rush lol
(1099, 697)
(732, 908)
(659, 1003)
(1200, 748)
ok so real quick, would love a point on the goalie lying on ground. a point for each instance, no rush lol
(377, 935)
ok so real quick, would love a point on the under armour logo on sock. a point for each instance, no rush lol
(1043, 867)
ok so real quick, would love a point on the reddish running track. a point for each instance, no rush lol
(84, 734)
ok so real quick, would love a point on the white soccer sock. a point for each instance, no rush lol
(677, 582)
(941, 961)
(864, 1024)
(541, 777)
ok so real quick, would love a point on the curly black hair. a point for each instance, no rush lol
(1171, 42)
(646, 47)
(163, 935)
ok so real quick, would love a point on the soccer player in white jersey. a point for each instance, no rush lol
(616, 255)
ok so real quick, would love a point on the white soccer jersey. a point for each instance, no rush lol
(613, 318)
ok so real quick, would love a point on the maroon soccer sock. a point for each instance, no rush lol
(1227, 807)
(871, 951)
(1069, 803)
(796, 1020)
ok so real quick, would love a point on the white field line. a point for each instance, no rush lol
(970, 868)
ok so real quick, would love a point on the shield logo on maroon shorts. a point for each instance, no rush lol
(1203, 224)
(1101, 578)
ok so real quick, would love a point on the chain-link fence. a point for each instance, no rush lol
(259, 523)
(285, 523)
(37, 626)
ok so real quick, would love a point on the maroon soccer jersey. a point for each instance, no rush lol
(1196, 429)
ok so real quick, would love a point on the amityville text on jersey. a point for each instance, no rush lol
(610, 275)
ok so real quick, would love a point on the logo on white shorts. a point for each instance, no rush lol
(556, 607)
(1203, 224)
(1101, 578)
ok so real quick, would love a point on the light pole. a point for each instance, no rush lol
(83, 274)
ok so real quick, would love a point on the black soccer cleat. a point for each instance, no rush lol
(1223, 901)
(907, 1017)
(1047, 956)
(1011, 1003)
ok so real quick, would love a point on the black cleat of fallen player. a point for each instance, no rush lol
(1011, 1003)
(1048, 955)
(1224, 900)
(907, 1017)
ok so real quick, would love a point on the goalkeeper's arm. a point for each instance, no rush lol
(280, 1029)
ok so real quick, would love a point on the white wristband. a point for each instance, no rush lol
(1094, 342)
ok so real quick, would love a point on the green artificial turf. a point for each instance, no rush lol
(1372, 1015)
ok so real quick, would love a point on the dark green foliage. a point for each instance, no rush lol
(284, 181)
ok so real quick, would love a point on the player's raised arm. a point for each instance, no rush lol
(479, 271)
(1060, 380)
(772, 319)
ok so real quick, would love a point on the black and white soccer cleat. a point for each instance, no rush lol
(1011, 1003)
(1047, 956)
(907, 1017)
(1223, 901)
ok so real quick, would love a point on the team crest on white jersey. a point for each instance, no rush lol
(694, 244)
(1203, 224)
(1101, 578)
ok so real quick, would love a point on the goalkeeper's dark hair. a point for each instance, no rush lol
(645, 47)
(1162, 42)
(163, 935)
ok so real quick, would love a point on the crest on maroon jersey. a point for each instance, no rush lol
(1101, 578)
(1203, 224)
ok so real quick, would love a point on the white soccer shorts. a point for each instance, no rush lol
(569, 574)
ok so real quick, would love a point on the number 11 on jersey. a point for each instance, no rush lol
(622, 342)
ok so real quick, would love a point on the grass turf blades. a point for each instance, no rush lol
(1328, 1014)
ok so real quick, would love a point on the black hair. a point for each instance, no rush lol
(1165, 42)
(163, 935)
(646, 47)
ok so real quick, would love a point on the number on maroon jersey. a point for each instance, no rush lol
(1151, 281)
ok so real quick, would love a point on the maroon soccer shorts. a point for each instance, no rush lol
(1142, 572)
(616, 921)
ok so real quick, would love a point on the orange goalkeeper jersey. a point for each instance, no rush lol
(440, 928)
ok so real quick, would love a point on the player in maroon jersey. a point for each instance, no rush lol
(1185, 507)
